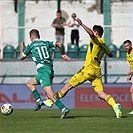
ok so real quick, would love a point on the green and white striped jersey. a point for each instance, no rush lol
(40, 51)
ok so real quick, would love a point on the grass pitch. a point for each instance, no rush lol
(77, 121)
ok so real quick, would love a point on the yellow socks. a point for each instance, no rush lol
(110, 100)
(132, 99)
(59, 94)
(132, 96)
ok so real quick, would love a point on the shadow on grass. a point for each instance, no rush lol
(67, 117)
(124, 117)
(79, 116)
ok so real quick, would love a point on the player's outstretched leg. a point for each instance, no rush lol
(116, 106)
(38, 105)
(117, 109)
(64, 112)
(131, 113)
(39, 102)
(49, 103)
(61, 106)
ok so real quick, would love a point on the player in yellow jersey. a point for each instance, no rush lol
(129, 56)
(91, 69)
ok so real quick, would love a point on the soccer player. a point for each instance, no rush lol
(129, 56)
(40, 51)
(91, 70)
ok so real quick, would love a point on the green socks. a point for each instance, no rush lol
(59, 104)
(36, 95)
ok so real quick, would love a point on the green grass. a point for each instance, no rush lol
(78, 121)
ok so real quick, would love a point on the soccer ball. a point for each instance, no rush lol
(6, 109)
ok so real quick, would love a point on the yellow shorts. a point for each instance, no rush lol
(88, 73)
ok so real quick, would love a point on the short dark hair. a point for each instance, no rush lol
(59, 11)
(127, 41)
(35, 33)
(74, 15)
(99, 29)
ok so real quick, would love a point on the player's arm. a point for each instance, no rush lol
(130, 72)
(24, 51)
(22, 46)
(61, 48)
(129, 77)
(107, 51)
(87, 29)
(110, 55)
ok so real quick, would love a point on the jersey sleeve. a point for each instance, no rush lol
(107, 51)
(101, 42)
(51, 44)
(26, 50)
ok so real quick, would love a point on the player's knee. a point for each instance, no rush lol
(28, 84)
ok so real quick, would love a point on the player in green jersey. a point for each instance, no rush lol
(40, 51)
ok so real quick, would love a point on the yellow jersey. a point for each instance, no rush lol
(130, 58)
(95, 52)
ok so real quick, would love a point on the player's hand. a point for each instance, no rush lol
(65, 57)
(22, 45)
(79, 21)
